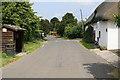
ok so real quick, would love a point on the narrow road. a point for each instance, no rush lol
(59, 59)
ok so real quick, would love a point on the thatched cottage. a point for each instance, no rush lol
(106, 31)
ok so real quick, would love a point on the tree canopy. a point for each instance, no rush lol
(21, 14)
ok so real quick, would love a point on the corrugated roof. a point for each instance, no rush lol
(13, 27)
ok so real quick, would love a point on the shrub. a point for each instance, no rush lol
(73, 31)
(76, 32)
(89, 35)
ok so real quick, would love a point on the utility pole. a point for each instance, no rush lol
(82, 20)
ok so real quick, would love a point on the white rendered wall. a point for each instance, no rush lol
(101, 26)
(109, 38)
(113, 36)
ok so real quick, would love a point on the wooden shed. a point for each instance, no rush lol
(12, 34)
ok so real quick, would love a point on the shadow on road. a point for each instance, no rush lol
(101, 70)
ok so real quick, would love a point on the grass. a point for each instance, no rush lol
(28, 48)
(7, 60)
(65, 38)
(32, 45)
(86, 45)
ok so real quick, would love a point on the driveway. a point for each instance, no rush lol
(59, 59)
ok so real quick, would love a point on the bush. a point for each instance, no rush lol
(76, 32)
(89, 35)
(73, 31)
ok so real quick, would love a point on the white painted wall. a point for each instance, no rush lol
(113, 36)
(110, 38)
(101, 26)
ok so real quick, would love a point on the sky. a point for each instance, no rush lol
(58, 8)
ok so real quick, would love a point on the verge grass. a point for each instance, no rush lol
(86, 45)
(29, 47)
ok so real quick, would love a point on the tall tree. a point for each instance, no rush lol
(54, 21)
(46, 26)
(21, 14)
(69, 19)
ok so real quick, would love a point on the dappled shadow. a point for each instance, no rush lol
(100, 70)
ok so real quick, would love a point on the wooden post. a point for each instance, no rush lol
(82, 20)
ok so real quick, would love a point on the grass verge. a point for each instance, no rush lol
(7, 59)
(33, 45)
(29, 47)
(65, 38)
(86, 45)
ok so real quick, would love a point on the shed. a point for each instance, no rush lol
(12, 34)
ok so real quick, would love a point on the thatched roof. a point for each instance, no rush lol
(104, 11)
(13, 27)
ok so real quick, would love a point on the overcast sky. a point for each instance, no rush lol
(58, 8)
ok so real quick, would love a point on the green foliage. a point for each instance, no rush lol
(117, 19)
(60, 28)
(69, 19)
(64, 26)
(31, 46)
(67, 32)
(103, 48)
(54, 21)
(74, 31)
(89, 35)
(21, 14)
(4, 55)
(86, 45)
(7, 59)
(38, 33)
(46, 26)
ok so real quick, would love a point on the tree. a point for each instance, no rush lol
(21, 14)
(46, 26)
(67, 32)
(76, 31)
(69, 19)
(54, 21)
(60, 28)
